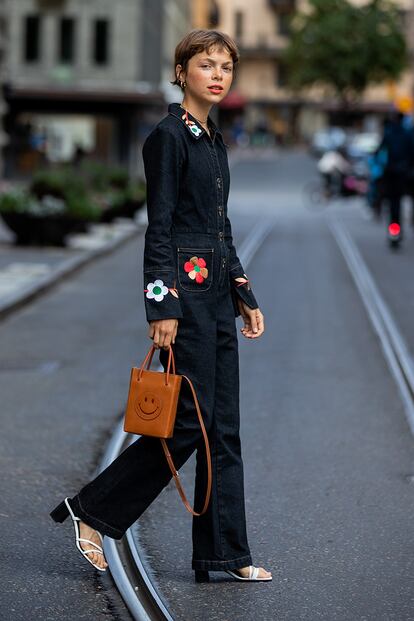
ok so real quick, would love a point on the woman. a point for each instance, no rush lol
(194, 286)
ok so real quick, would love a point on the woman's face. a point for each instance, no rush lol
(206, 71)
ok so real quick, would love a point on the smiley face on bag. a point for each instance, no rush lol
(148, 405)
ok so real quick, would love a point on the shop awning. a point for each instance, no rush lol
(233, 100)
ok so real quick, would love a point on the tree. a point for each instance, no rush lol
(345, 47)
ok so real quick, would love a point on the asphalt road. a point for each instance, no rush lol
(328, 455)
(64, 366)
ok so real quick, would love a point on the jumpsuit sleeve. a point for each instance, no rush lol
(240, 284)
(162, 159)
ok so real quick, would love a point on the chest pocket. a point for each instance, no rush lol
(195, 268)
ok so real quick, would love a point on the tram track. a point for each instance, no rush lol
(393, 344)
(133, 582)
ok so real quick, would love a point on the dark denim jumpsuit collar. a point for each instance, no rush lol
(193, 125)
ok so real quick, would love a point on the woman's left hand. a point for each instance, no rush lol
(253, 320)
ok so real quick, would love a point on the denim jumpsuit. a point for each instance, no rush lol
(192, 273)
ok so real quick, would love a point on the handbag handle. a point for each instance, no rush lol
(148, 359)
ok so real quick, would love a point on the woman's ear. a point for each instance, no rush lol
(178, 71)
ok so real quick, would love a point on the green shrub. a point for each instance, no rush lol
(101, 177)
(20, 201)
(13, 200)
(81, 194)
(95, 175)
(82, 205)
(57, 182)
(136, 191)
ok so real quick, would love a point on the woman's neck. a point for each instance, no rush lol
(199, 110)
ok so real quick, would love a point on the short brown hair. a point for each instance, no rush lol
(197, 41)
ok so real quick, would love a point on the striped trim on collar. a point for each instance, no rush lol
(193, 126)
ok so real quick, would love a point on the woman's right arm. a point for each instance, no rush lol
(162, 158)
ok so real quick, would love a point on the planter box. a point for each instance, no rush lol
(42, 231)
(127, 210)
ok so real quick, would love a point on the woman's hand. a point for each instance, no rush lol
(253, 320)
(163, 332)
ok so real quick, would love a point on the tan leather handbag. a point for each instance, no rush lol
(151, 410)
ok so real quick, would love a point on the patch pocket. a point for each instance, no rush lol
(195, 268)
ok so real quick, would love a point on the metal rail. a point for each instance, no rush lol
(123, 556)
(392, 342)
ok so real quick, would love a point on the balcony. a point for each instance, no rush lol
(44, 5)
(262, 47)
(282, 6)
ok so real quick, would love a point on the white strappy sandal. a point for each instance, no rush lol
(252, 577)
(98, 549)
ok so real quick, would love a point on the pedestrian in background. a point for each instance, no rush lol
(398, 144)
(194, 288)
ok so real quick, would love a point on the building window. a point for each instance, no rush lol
(281, 75)
(32, 38)
(283, 20)
(67, 40)
(101, 42)
(238, 24)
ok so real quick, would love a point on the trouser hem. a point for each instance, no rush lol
(235, 563)
(90, 520)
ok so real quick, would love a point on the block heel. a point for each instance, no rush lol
(60, 513)
(201, 575)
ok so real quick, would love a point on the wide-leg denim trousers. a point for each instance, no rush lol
(206, 350)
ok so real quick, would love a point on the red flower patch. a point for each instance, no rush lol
(196, 269)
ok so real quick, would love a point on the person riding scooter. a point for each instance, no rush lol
(334, 166)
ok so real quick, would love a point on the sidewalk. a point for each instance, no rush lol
(25, 271)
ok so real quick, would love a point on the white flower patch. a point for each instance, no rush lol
(156, 290)
(196, 130)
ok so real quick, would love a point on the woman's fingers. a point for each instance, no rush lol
(253, 323)
(167, 340)
(260, 323)
(175, 333)
(163, 332)
(156, 336)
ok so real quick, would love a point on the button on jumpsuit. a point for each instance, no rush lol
(192, 273)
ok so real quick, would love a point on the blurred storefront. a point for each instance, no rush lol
(87, 76)
(262, 31)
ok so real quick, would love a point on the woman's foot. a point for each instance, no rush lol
(244, 572)
(86, 532)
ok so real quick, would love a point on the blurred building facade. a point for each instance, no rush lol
(87, 75)
(260, 99)
(95, 76)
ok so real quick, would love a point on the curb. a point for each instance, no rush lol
(68, 267)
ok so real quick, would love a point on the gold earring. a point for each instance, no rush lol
(184, 84)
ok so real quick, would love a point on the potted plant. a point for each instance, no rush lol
(117, 195)
(46, 220)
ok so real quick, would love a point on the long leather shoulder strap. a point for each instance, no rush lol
(174, 471)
